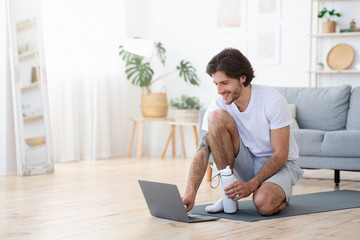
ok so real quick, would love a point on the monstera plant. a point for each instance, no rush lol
(140, 72)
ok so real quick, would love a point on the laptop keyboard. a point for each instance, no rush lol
(194, 216)
(190, 215)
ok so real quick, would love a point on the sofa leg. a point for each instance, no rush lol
(337, 178)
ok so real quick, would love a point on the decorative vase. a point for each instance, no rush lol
(186, 115)
(329, 27)
(154, 105)
(319, 66)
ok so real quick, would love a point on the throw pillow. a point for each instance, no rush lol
(292, 109)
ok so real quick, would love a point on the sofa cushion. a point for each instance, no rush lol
(309, 141)
(345, 143)
(329, 162)
(353, 120)
(342, 143)
(292, 109)
(323, 108)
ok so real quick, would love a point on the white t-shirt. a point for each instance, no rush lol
(267, 110)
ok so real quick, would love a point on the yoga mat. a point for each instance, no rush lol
(298, 205)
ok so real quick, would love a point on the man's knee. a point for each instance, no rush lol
(218, 116)
(219, 119)
(262, 204)
(268, 203)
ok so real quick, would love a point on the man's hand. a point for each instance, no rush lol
(239, 190)
(188, 201)
(197, 171)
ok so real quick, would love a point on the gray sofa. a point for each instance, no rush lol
(329, 122)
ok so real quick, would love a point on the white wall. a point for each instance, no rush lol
(187, 29)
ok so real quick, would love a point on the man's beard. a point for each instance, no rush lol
(233, 95)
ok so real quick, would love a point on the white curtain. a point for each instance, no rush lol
(7, 130)
(85, 79)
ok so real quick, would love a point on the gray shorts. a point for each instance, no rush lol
(246, 166)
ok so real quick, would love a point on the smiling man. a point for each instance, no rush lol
(248, 129)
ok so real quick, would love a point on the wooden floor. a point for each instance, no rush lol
(102, 200)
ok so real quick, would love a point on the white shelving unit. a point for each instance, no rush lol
(30, 86)
(328, 35)
(33, 118)
(316, 38)
(32, 128)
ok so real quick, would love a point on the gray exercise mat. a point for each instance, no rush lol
(299, 205)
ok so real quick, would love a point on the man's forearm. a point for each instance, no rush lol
(196, 173)
(280, 145)
(272, 166)
(198, 165)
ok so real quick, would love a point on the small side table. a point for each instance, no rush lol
(172, 137)
(141, 121)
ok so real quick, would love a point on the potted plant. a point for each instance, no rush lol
(140, 72)
(186, 108)
(329, 26)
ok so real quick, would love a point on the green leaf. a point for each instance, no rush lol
(139, 73)
(328, 14)
(160, 50)
(188, 72)
(127, 56)
(185, 102)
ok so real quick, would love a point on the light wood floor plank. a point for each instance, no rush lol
(102, 200)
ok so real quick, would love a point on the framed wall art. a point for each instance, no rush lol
(230, 16)
(267, 9)
(266, 45)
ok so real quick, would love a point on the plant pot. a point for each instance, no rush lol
(186, 115)
(154, 105)
(329, 27)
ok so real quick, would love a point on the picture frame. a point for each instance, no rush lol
(267, 9)
(266, 44)
(230, 16)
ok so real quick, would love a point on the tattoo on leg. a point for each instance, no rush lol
(204, 141)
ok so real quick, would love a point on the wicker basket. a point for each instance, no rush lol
(186, 115)
(154, 105)
(32, 142)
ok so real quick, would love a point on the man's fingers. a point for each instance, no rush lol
(188, 204)
(235, 191)
(189, 207)
(231, 186)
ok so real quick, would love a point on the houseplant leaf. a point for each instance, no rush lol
(160, 50)
(188, 72)
(185, 102)
(139, 73)
(126, 56)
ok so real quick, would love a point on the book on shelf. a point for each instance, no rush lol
(34, 75)
(350, 30)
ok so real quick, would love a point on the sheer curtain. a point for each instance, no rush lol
(7, 129)
(85, 78)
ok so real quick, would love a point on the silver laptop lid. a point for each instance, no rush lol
(164, 200)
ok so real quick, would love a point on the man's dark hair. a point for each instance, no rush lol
(233, 63)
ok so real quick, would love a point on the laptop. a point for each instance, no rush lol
(164, 201)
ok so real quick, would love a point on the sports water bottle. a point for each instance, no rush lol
(230, 206)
